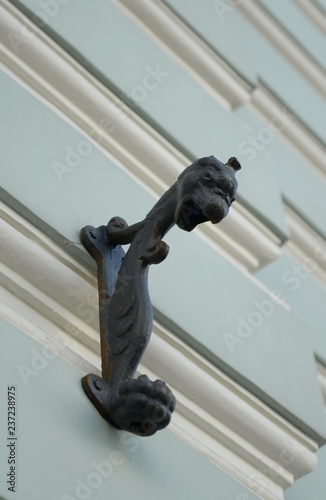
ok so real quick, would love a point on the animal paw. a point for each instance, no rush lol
(157, 251)
(142, 407)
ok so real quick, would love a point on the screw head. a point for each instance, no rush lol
(98, 385)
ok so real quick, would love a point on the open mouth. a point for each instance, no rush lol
(189, 214)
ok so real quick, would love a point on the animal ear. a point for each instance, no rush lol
(233, 163)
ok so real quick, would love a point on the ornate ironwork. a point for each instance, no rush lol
(203, 192)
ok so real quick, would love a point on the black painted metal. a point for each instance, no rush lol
(203, 192)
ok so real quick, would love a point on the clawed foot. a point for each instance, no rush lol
(157, 251)
(119, 233)
(142, 407)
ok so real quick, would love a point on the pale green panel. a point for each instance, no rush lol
(296, 21)
(225, 316)
(236, 39)
(64, 447)
(300, 185)
(304, 294)
(90, 189)
(312, 486)
(208, 287)
(322, 4)
(121, 55)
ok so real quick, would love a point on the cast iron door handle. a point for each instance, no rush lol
(203, 192)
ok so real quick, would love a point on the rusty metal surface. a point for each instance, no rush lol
(203, 192)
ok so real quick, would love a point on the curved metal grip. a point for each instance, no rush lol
(204, 191)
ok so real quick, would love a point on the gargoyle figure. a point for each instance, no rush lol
(203, 192)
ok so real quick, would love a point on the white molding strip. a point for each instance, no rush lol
(189, 50)
(290, 128)
(288, 47)
(145, 154)
(45, 293)
(322, 379)
(306, 245)
(315, 12)
(205, 66)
